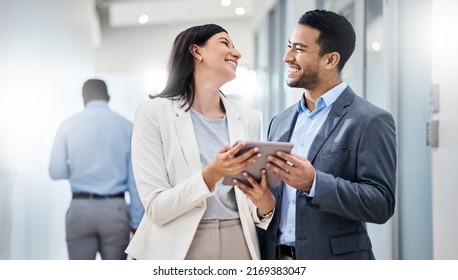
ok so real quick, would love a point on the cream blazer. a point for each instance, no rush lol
(168, 174)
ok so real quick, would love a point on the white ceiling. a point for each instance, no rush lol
(126, 13)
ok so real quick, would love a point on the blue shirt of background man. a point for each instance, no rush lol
(92, 150)
(307, 126)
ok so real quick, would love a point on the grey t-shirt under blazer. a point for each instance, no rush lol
(211, 135)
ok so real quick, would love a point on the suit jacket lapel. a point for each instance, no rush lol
(338, 111)
(187, 138)
(288, 121)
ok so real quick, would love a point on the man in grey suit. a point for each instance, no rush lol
(342, 170)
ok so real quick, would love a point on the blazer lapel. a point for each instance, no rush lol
(338, 111)
(187, 138)
(234, 125)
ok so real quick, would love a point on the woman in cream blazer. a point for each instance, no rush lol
(168, 172)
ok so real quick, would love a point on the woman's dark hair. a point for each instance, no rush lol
(180, 82)
(336, 33)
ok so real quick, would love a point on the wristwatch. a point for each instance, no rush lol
(265, 217)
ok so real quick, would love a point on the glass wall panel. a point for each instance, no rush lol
(375, 53)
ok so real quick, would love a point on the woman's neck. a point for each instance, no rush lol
(209, 104)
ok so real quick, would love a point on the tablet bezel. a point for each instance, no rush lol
(266, 148)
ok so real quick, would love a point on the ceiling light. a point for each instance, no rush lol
(143, 19)
(240, 11)
(225, 3)
(376, 46)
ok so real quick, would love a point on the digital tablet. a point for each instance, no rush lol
(266, 149)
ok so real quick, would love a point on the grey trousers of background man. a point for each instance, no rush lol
(97, 225)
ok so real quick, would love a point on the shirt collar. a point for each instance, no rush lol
(97, 104)
(325, 100)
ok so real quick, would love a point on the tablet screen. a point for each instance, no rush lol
(266, 149)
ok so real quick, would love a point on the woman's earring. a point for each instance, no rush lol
(200, 59)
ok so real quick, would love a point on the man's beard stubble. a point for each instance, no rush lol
(308, 80)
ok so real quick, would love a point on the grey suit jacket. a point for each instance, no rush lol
(354, 155)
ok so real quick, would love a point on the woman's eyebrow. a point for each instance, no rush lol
(227, 40)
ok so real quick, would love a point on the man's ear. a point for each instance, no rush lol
(332, 59)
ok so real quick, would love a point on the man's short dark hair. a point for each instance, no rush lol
(94, 89)
(336, 33)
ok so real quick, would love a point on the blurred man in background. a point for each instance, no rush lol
(92, 150)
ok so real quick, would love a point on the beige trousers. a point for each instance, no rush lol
(219, 240)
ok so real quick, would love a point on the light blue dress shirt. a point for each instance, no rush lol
(307, 126)
(92, 149)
